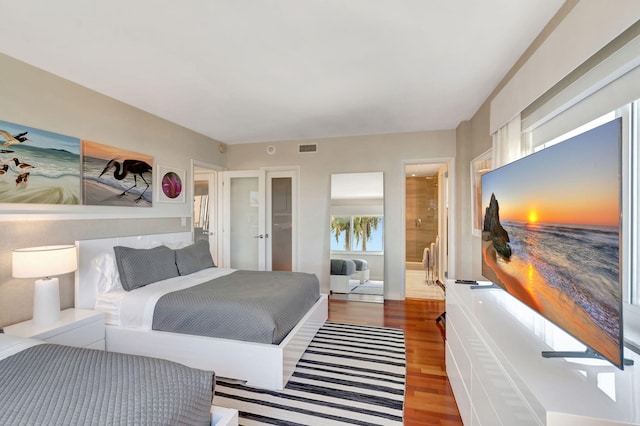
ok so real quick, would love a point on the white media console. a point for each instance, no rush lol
(494, 363)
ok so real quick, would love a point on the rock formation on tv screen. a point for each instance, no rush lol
(493, 231)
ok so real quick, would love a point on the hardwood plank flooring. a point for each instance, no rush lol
(428, 397)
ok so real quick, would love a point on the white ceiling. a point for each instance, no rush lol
(248, 71)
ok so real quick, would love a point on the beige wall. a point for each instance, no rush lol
(384, 153)
(38, 99)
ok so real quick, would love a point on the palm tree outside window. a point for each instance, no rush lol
(357, 233)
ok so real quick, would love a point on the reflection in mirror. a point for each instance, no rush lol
(201, 210)
(357, 236)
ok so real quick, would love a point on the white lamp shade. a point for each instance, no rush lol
(45, 261)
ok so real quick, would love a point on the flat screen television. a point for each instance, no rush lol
(551, 236)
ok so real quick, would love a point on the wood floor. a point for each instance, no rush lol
(428, 399)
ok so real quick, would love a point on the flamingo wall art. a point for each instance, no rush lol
(171, 185)
(116, 177)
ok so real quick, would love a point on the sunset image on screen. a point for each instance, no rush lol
(551, 235)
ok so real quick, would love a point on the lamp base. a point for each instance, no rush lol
(46, 301)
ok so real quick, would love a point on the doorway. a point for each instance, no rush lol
(205, 206)
(425, 235)
(260, 220)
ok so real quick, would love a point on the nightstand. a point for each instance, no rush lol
(76, 327)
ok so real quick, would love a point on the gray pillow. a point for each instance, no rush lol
(139, 267)
(194, 258)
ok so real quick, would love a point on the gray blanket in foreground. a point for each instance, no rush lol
(253, 306)
(61, 385)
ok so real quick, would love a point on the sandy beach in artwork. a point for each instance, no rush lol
(525, 282)
(96, 193)
(41, 190)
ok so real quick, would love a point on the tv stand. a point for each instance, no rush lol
(588, 353)
(484, 286)
(493, 346)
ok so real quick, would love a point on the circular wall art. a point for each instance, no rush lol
(171, 184)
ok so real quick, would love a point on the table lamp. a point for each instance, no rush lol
(43, 263)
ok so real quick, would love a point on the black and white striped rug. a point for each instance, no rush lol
(349, 374)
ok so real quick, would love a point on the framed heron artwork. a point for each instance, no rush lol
(116, 177)
(38, 166)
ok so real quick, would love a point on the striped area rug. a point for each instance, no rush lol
(349, 374)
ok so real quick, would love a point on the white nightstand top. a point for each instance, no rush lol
(69, 319)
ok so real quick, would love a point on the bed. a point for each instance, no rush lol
(263, 363)
(43, 383)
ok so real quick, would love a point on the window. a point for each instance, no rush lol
(357, 234)
(340, 233)
(605, 87)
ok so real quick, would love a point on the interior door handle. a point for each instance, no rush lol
(259, 236)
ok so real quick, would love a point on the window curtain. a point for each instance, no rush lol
(508, 144)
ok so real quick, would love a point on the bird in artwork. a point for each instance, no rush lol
(13, 139)
(3, 170)
(21, 167)
(134, 167)
(22, 178)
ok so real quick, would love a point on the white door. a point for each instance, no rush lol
(244, 220)
(259, 227)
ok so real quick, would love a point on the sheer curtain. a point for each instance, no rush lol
(508, 145)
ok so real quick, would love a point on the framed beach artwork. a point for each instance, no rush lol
(37, 166)
(171, 185)
(116, 177)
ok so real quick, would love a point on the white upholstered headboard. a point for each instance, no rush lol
(89, 250)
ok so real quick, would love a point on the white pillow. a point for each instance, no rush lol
(178, 245)
(108, 277)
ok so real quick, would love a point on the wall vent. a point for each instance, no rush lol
(307, 148)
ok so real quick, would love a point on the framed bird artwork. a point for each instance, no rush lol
(116, 177)
(170, 185)
(38, 166)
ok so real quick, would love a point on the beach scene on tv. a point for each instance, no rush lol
(551, 235)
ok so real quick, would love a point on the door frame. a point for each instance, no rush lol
(214, 205)
(446, 219)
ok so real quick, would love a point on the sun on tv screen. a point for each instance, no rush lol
(551, 235)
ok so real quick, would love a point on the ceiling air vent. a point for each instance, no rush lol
(308, 148)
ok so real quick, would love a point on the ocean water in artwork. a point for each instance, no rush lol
(45, 169)
(579, 260)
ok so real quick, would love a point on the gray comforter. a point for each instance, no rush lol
(253, 306)
(60, 385)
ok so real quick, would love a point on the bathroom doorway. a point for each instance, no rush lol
(425, 215)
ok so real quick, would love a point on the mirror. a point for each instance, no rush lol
(357, 236)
